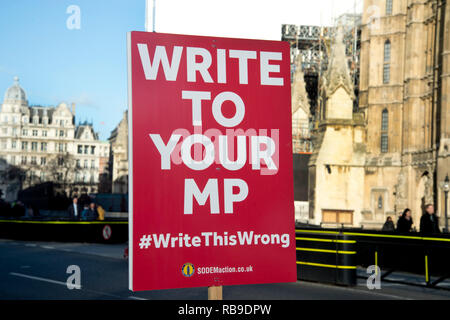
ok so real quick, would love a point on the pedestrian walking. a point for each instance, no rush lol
(429, 222)
(74, 209)
(89, 213)
(405, 222)
(101, 213)
(388, 225)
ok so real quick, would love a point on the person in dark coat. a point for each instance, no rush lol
(84, 200)
(388, 225)
(405, 222)
(90, 213)
(18, 210)
(74, 209)
(429, 223)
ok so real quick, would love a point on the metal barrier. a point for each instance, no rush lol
(326, 257)
(107, 231)
(425, 255)
(413, 252)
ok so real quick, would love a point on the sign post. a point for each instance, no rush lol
(210, 172)
(215, 293)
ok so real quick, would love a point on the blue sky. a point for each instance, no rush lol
(86, 66)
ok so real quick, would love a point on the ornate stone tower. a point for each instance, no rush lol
(404, 87)
(442, 96)
(300, 109)
(336, 168)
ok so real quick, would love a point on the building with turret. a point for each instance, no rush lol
(40, 144)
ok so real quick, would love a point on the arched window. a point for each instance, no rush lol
(387, 62)
(384, 143)
(388, 7)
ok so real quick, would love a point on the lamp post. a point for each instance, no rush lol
(446, 187)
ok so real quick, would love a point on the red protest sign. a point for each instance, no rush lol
(211, 183)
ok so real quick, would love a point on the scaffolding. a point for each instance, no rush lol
(314, 44)
(301, 137)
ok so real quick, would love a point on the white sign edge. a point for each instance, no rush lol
(130, 167)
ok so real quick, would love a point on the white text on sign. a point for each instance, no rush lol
(256, 149)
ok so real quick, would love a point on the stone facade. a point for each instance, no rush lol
(40, 144)
(396, 146)
(119, 156)
(404, 83)
(300, 110)
(336, 167)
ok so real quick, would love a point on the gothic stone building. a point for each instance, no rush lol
(405, 106)
(119, 156)
(404, 93)
(45, 144)
(336, 167)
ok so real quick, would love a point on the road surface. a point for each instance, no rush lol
(37, 270)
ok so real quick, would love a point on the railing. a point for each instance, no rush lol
(64, 229)
(326, 257)
(426, 255)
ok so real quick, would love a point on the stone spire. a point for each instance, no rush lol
(338, 74)
(299, 94)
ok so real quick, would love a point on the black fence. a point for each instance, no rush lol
(106, 231)
(326, 257)
(425, 255)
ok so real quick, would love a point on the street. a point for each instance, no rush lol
(37, 270)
